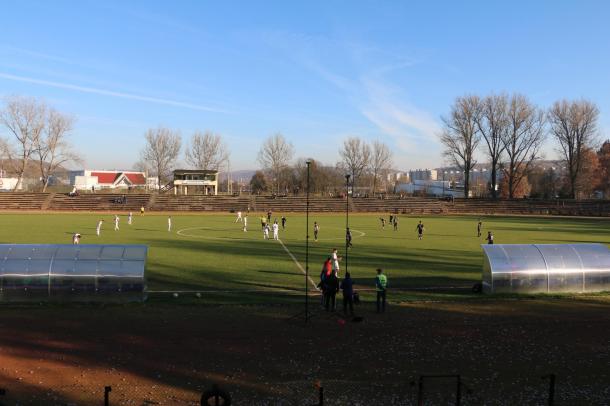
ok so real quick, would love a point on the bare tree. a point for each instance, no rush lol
(492, 123)
(25, 120)
(381, 161)
(52, 147)
(274, 156)
(522, 140)
(161, 151)
(574, 126)
(355, 157)
(460, 136)
(206, 151)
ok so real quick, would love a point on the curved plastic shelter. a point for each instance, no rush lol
(80, 273)
(546, 268)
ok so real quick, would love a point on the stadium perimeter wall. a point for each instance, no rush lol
(198, 203)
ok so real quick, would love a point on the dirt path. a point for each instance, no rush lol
(167, 353)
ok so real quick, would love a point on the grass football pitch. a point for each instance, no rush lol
(210, 253)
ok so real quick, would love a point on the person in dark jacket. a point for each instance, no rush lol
(347, 286)
(331, 287)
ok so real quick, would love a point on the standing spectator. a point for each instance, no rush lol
(347, 286)
(327, 269)
(381, 283)
(330, 292)
(490, 238)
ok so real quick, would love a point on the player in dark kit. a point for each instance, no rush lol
(420, 230)
(382, 222)
(348, 238)
(479, 226)
(283, 222)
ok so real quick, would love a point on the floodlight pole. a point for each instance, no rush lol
(346, 216)
(307, 248)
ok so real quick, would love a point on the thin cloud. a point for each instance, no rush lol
(111, 93)
(366, 84)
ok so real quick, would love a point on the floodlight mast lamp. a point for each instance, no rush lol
(307, 247)
(347, 176)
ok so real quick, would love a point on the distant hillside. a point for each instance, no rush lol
(32, 169)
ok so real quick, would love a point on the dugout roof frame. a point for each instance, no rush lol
(545, 268)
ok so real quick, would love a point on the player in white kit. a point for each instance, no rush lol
(99, 227)
(238, 219)
(129, 218)
(266, 231)
(116, 222)
(246, 223)
(169, 223)
(276, 228)
(76, 239)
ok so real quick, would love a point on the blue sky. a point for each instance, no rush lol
(317, 72)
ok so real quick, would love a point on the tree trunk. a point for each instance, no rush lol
(466, 184)
(494, 176)
(19, 181)
(374, 182)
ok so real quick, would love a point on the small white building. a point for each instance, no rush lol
(98, 179)
(195, 181)
(8, 184)
(431, 188)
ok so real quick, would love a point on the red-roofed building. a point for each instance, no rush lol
(93, 179)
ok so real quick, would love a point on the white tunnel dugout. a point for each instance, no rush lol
(546, 268)
(72, 273)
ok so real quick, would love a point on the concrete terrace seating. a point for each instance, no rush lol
(530, 207)
(287, 204)
(99, 202)
(298, 204)
(166, 202)
(22, 201)
(409, 205)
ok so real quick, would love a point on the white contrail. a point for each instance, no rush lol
(110, 93)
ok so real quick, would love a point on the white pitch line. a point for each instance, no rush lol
(298, 265)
